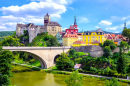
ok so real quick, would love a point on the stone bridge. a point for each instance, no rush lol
(46, 55)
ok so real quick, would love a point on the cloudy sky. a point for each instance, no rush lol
(108, 15)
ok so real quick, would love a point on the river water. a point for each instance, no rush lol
(37, 78)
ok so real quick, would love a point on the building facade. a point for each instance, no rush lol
(49, 26)
(69, 39)
(90, 37)
(59, 37)
(79, 43)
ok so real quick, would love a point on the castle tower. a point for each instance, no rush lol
(75, 23)
(47, 19)
(125, 24)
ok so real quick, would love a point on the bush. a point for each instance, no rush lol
(107, 51)
(70, 69)
(93, 69)
(112, 46)
(107, 70)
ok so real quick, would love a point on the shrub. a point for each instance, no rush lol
(93, 69)
(107, 70)
(70, 69)
(107, 51)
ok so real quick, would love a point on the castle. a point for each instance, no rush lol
(49, 26)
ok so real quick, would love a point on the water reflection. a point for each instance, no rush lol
(36, 78)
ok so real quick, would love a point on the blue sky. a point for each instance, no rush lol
(108, 15)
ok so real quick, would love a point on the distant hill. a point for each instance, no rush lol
(112, 32)
(6, 33)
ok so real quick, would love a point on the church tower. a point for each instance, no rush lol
(125, 25)
(47, 19)
(75, 23)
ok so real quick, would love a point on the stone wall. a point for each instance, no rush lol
(95, 51)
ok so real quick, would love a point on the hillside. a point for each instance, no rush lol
(4, 34)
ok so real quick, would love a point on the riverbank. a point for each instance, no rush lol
(34, 68)
(23, 68)
(85, 75)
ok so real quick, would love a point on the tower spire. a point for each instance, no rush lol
(75, 23)
(125, 24)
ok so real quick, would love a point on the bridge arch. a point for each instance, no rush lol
(42, 61)
(57, 56)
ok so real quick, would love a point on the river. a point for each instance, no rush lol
(37, 78)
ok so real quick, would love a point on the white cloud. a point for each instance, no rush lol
(83, 20)
(97, 27)
(33, 12)
(52, 1)
(104, 22)
(34, 9)
(112, 28)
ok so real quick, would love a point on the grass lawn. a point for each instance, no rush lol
(81, 53)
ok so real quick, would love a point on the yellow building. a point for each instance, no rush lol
(93, 37)
(78, 44)
(69, 39)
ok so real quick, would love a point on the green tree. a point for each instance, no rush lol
(74, 79)
(6, 57)
(109, 43)
(10, 41)
(121, 64)
(52, 41)
(126, 33)
(112, 82)
(64, 62)
(123, 46)
(107, 51)
(73, 54)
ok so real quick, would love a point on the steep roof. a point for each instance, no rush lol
(109, 37)
(62, 34)
(96, 41)
(79, 42)
(70, 36)
(53, 24)
(113, 35)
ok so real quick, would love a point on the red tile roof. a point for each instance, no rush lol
(79, 42)
(113, 35)
(79, 34)
(70, 36)
(96, 41)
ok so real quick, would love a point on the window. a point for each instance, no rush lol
(98, 33)
(88, 40)
(88, 37)
(98, 36)
(88, 33)
(93, 33)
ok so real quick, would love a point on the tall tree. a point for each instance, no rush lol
(74, 79)
(6, 58)
(121, 64)
(64, 62)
